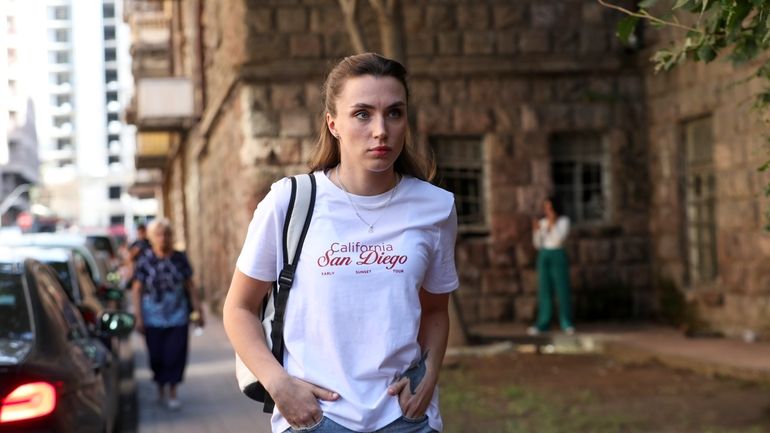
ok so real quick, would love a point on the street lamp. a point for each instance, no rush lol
(11, 199)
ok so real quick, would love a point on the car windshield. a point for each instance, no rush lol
(102, 243)
(15, 324)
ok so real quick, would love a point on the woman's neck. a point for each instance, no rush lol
(161, 252)
(364, 182)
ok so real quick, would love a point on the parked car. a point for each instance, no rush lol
(106, 279)
(54, 376)
(71, 271)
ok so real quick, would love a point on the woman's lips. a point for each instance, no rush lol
(380, 150)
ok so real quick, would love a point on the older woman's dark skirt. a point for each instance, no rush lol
(168, 353)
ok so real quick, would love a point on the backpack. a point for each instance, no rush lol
(295, 226)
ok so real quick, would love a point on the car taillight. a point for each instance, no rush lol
(28, 401)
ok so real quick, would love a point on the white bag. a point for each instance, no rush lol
(296, 223)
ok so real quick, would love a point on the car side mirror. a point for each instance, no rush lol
(116, 323)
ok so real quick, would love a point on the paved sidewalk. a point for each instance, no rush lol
(211, 400)
(713, 356)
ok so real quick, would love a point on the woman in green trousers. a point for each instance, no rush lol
(548, 235)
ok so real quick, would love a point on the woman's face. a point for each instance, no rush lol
(370, 123)
(548, 209)
(160, 238)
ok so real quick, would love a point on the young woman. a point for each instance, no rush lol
(162, 289)
(371, 289)
(549, 235)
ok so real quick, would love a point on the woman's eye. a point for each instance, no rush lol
(395, 114)
(363, 115)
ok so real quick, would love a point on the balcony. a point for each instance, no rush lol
(147, 184)
(150, 43)
(152, 149)
(163, 104)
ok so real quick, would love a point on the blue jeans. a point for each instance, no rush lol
(401, 425)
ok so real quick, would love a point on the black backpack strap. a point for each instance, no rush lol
(300, 211)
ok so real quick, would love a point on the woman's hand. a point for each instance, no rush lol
(139, 324)
(414, 405)
(297, 401)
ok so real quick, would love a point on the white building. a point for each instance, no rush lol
(80, 70)
(18, 140)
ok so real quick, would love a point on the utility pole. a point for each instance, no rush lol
(11, 199)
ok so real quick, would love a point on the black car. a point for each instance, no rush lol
(54, 375)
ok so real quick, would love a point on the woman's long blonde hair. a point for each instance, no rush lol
(327, 151)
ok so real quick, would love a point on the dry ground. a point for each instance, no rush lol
(530, 393)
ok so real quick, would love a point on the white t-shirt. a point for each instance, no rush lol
(354, 312)
(553, 238)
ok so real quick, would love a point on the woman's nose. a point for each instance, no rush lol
(379, 128)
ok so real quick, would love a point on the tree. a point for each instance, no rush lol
(709, 28)
(388, 21)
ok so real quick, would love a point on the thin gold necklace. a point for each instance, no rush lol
(355, 208)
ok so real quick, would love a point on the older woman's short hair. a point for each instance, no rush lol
(164, 223)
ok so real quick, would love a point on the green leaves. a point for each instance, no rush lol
(646, 4)
(706, 53)
(626, 28)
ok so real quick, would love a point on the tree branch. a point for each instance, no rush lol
(354, 29)
(646, 15)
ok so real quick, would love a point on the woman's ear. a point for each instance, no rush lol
(330, 124)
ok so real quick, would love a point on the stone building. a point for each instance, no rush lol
(517, 99)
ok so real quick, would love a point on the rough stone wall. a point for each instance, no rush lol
(511, 73)
(739, 297)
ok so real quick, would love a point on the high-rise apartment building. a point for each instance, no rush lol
(18, 140)
(80, 70)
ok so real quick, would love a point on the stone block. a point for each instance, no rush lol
(533, 145)
(308, 147)
(595, 251)
(260, 20)
(291, 19)
(507, 119)
(502, 230)
(667, 247)
(495, 309)
(327, 20)
(499, 282)
(313, 97)
(287, 96)
(305, 45)
(541, 171)
(439, 18)
(546, 15)
(449, 43)
(296, 123)
(593, 13)
(270, 47)
(735, 184)
(420, 44)
(497, 147)
(592, 116)
(473, 17)
(414, 18)
(434, 120)
(557, 116)
(593, 40)
(423, 91)
(534, 42)
(529, 281)
(288, 151)
(453, 92)
(525, 309)
(337, 44)
(501, 199)
(631, 250)
(255, 98)
(484, 91)
(263, 123)
(469, 120)
(515, 172)
(736, 214)
(507, 42)
(530, 119)
(528, 199)
(255, 150)
(566, 42)
(510, 15)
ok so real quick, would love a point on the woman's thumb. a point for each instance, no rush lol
(397, 387)
(325, 394)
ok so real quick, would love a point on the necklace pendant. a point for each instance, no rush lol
(371, 229)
